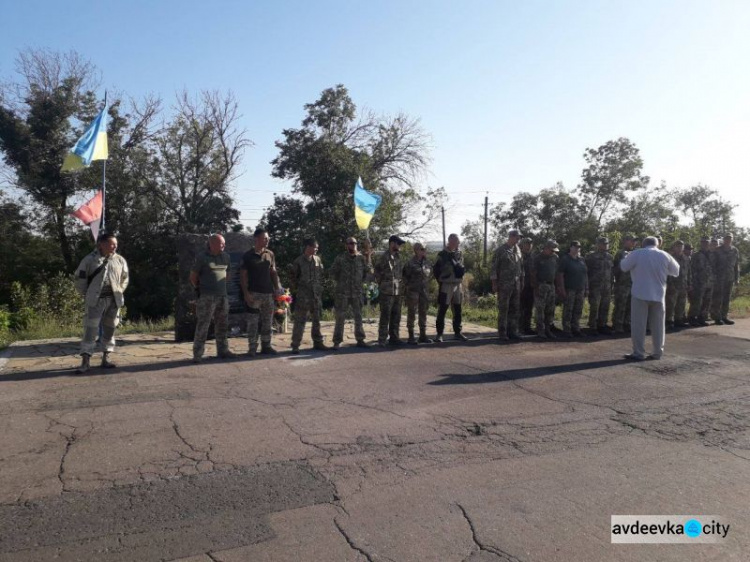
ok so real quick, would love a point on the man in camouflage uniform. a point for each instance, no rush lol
(389, 269)
(677, 287)
(101, 278)
(417, 272)
(687, 253)
(727, 276)
(623, 284)
(507, 279)
(701, 284)
(573, 287)
(209, 278)
(543, 272)
(600, 264)
(307, 285)
(260, 283)
(449, 272)
(527, 292)
(349, 271)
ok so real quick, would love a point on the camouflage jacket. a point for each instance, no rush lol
(349, 273)
(115, 270)
(728, 263)
(621, 278)
(701, 269)
(507, 265)
(417, 275)
(682, 281)
(389, 269)
(600, 265)
(307, 275)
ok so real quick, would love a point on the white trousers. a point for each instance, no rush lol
(643, 313)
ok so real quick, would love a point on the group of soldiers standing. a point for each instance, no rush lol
(524, 282)
(705, 281)
(396, 277)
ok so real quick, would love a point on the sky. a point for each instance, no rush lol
(511, 92)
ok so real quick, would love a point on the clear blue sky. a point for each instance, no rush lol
(512, 92)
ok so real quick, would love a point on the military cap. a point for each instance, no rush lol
(551, 244)
(514, 232)
(526, 241)
(395, 239)
(728, 235)
(602, 240)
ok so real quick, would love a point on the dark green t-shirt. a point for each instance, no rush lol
(212, 273)
(545, 267)
(574, 271)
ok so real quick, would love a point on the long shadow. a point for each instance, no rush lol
(530, 372)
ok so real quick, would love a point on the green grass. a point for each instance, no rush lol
(46, 329)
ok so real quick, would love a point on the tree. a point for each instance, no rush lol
(711, 215)
(323, 159)
(613, 172)
(195, 160)
(552, 213)
(36, 133)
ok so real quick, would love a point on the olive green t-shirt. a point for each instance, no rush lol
(212, 273)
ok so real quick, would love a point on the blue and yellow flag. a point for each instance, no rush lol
(365, 205)
(91, 146)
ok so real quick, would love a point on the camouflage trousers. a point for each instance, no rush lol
(675, 301)
(544, 306)
(700, 302)
(106, 313)
(720, 299)
(572, 309)
(508, 308)
(621, 313)
(260, 320)
(416, 302)
(341, 305)
(306, 305)
(210, 308)
(390, 317)
(599, 299)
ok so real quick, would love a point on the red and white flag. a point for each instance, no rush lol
(90, 213)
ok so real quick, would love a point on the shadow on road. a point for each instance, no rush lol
(515, 374)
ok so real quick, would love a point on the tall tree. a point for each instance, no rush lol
(324, 157)
(613, 173)
(196, 158)
(37, 115)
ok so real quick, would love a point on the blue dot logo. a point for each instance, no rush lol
(693, 528)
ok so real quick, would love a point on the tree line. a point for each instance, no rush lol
(172, 169)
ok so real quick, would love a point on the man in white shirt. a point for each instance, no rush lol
(649, 268)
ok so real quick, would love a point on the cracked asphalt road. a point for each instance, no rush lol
(478, 452)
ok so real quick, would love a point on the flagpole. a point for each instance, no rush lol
(103, 222)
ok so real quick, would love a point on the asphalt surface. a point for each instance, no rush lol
(477, 452)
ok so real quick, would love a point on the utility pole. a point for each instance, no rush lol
(486, 200)
(442, 211)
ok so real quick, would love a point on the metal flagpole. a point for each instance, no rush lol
(103, 222)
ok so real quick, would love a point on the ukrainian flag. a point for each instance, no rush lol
(91, 146)
(365, 205)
